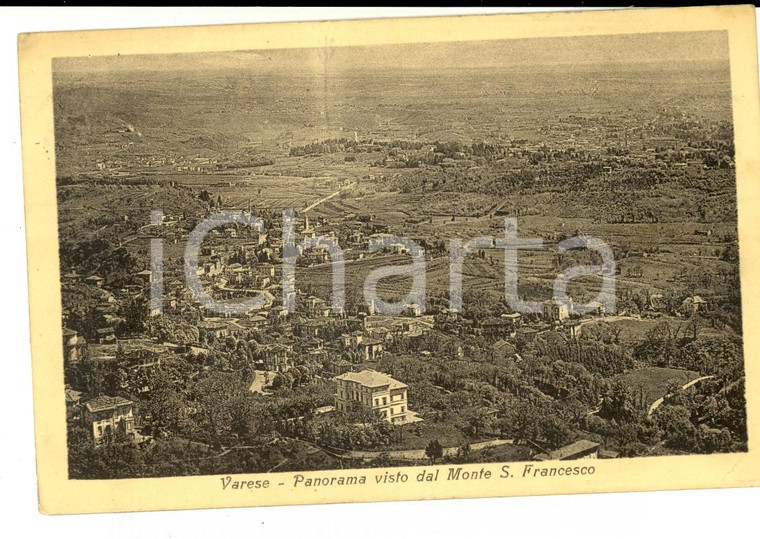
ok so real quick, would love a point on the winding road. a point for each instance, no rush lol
(656, 404)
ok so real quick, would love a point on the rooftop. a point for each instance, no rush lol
(106, 403)
(369, 378)
(511, 315)
(573, 450)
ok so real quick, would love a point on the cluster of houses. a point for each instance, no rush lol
(344, 346)
(638, 141)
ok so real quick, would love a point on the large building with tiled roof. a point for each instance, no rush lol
(582, 449)
(372, 390)
(106, 415)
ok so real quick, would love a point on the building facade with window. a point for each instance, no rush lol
(104, 416)
(372, 390)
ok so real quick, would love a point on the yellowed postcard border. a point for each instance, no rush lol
(58, 494)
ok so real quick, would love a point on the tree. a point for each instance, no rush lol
(678, 430)
(477, 419)
(81, 448)
(465, 450)
(217, 400)
(554, 431)
(618, 404)
(135, 316)
(165, 403)
(434, 451)
(524, 420)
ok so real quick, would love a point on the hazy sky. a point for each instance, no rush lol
(663, 47)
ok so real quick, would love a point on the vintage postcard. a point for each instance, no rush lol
(393, 259)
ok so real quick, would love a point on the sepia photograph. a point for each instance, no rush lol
(326, 270)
